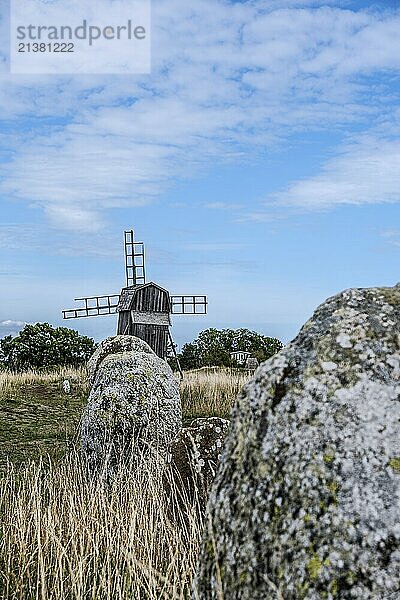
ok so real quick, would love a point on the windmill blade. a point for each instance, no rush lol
(93, 306)
(134, 260)
(189, 305)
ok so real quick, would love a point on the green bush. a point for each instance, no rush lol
(42, 345)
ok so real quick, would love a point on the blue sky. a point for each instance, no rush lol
(259, 162)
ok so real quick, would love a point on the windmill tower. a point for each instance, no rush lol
(144, 309)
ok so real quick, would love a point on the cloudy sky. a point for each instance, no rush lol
(259, 161)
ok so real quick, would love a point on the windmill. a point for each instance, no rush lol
(144, 309)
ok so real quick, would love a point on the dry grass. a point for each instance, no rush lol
(10, 381)
(64, 538)
(211, 391)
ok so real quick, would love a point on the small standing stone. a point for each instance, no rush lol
(66, 386)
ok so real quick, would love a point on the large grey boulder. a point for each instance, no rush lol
(306, 503)
(134, 408)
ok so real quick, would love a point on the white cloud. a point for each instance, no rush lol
(10, 323)
(229, 81)
(365, 172)
(10, 327)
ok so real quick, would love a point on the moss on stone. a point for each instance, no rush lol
(334, 588)
(328, 458)
(351, 577)
(243, 577)
(314, 567)
(277, 512)
(333, 487)
(395, 464)
(302, 590)
(262, 470)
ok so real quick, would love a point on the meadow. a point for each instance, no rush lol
(63, 537)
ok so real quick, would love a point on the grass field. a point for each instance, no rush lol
(63, 538)
(37, 418)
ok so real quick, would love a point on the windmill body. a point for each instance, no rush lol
(144, 309)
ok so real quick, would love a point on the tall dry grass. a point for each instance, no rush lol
(10, 380)
(211, 391)
(62, 537)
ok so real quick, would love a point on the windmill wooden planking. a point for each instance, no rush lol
(144, 309)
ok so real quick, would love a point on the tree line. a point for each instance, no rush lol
(44, 346)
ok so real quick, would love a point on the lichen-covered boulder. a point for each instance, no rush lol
(193, 457)
(114, 345)
(306, 502)
(133, 411)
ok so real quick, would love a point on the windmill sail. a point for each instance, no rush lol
(134, 260)
(189, 305)
(93, 306)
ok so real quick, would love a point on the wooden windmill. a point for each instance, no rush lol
(144, 309)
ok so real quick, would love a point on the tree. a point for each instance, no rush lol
(42, 345)
(190, 356)
(213, 347)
